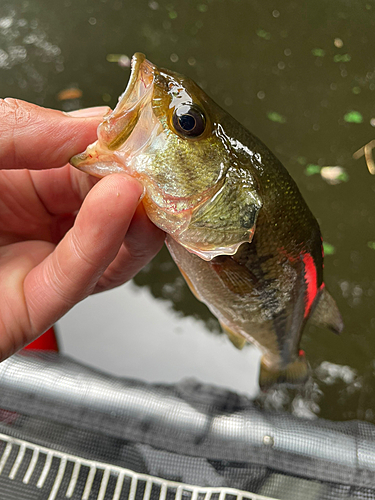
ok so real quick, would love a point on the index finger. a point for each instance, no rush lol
(38, 138)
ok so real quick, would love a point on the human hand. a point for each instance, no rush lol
(63, 235)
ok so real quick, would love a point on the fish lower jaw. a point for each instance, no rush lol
(102, 169)
(98, 162)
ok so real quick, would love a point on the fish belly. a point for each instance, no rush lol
(239, 313)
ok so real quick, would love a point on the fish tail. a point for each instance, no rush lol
(295, 373)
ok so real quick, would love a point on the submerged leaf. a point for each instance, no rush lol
(276, 117)
(318, 52)
(71, 93)
(202, 7)
(342, 58)
(328, 248)
(312, 169)
(353, 117)
(264, 34)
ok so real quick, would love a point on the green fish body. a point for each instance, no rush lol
(238, 227)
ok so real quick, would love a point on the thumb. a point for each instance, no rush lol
(37, 138)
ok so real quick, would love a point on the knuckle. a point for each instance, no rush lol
(15, 115)
(15, 112)
(109, 281)
(143, 251)
(59, 282)
(80, 252)
(65, 287)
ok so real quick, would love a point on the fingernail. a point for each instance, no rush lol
(90, 112)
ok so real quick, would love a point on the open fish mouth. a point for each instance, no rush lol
(118, 125)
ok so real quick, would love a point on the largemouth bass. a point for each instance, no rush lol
(238, 227)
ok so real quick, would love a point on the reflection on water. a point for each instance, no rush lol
(120, 341)
(327, 380)
(25, 49)
(301, 76)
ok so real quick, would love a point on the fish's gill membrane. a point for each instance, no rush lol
(210, 254)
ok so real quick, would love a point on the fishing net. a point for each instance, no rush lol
(68, 431)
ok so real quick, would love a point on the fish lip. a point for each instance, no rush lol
(142, 71)
(136, 62)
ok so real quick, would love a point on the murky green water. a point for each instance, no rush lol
(300, 75)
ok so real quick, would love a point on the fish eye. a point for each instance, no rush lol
(189, 120)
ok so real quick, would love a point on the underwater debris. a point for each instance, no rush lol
(353, 117)
(71, 93)
(121, 59)
(328, 248)
(334, 175)
(276, 117)
(366, 151)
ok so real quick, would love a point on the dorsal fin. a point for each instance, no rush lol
(327, 314)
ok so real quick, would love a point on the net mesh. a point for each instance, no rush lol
(67, 431)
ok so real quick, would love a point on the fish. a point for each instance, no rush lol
(237, 225)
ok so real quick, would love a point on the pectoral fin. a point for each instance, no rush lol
(327, 314)
(233, 276)
(190, 284)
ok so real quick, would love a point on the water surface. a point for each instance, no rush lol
(301, 76)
